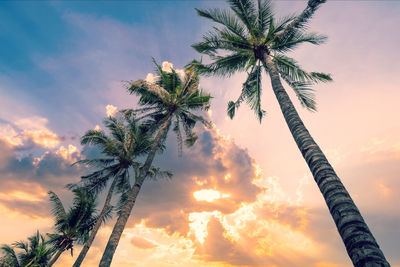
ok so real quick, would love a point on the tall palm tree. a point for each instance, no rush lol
(73, 226)
(119, 152)
(168, 101)
(252, 39)
(34, 253)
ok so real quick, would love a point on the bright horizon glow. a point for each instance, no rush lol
(209, 195)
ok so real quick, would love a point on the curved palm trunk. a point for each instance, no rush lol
(96, 227)
(359, 241)
(55, 258)
(130, 202)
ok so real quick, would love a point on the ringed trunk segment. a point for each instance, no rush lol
(97, 226)
(360, 244)
(130, 202)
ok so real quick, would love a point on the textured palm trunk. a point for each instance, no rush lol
(55, 258)
(96, 227)
(130, 202)
(358, 240)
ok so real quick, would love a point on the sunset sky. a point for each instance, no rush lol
(243, 195)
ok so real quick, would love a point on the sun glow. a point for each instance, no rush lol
(209, 195)
(198, 224)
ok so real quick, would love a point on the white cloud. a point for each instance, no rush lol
(167, 66)
(111, 110)
(29, 128)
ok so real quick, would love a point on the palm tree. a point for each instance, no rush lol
(73, 226)
(251, 38)
(127, 141)
(35, 253)
(168, 101)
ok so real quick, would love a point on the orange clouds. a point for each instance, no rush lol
(32, 129)
(224, 210)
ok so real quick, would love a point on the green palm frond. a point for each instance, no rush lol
(264, 13)
(57, 208)
(251, 93)
(298, 38)
(226, 66)
(226, 19)
(301, 20)
(288, 67)
(150, 94)
(246, 12)
(96, 162)
(94, 137)
(116, 128)
(10, 258)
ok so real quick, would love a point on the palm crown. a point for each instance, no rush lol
(127, 141)
(119, 151)
(248, 35)
(75, 224)
(34, 253)
(170, 95)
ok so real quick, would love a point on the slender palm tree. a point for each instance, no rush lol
(168, 101)
(119, 152)
(34, 253)
(73, 226)
(252, 39)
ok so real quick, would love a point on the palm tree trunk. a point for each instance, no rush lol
(55, 258)
(130, 202)
(358, 240)
(96, 227)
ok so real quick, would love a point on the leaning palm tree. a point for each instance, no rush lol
(72, 226)
(168, 101)
(252, 39)
(34, 253)
(119, 151)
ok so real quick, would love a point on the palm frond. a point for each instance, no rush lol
(246, 12)
(227, 65)
(57, 208)
(296, 39)
(226, 19)
(264, 8)
(251, 92)
(150, 94)
(301, 20)
(178, 133)
(288, 67)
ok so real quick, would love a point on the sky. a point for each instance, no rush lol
(243, 195)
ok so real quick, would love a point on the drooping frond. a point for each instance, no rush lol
(251, 93)
(57, 208)
(304, 93)
(9, 258)
(177, 130)
(156, 173)
(289, 67)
